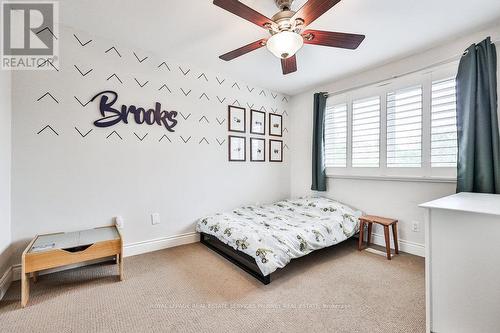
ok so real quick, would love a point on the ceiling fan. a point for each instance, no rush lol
(287, 29)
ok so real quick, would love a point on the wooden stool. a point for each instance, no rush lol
(386, 222)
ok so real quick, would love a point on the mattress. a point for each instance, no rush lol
(276, 233)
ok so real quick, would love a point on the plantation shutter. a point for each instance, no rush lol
(336, 136)
(443, 124)
(366, 132)
(404, 128)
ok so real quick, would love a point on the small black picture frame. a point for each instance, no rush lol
(257, 152)
(236, 148)
(275, 124)
(236, 119)
(257, 122)
(275, 150)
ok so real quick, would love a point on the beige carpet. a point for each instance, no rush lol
(192, 289)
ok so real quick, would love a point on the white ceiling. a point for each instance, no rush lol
(197, 32)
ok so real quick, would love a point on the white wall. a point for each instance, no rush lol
(65, 182)
(5, 167)
(396, 199)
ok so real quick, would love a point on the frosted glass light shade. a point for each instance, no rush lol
(285, 44)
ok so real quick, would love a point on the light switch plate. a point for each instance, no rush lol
(155, 218)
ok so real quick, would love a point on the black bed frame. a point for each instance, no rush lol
(240, 259)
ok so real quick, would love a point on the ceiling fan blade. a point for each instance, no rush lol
(332, 39)
(243, 11)
(313, 9)
(289, 65)
(243, 50)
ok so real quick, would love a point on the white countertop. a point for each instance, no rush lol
(468, 202)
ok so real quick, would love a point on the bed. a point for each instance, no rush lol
(263, 238)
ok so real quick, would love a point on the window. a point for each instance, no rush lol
(401, 128)
(443, 124)
(366, 132)
(404, 128)
(336, 136)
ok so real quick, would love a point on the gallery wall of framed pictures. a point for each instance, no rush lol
(257, 141)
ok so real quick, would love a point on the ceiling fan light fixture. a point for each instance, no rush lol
(285, 44)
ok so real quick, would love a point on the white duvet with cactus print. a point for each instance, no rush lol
(276, 233)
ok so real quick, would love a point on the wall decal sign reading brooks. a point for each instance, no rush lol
(112, 116)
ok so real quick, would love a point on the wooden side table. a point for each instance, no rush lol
(60, 249)
(386, 223)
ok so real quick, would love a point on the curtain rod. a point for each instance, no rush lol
(442, 62)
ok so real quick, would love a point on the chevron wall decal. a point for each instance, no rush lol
(83, 74)
(49, 62)
(115, 76)
(114, 49)
(220, 81)
(116, 133)
(80, 102)
(184, 72)
(186, 93)
(185, 117)
(141, 84)
(243, 95)
(204, 95)
(164, 136)
(165, 65)
(143, 137)
(165, 86)
(50, 95)
(47, 30)
(185, 140)
(204, 76)
(81, 134)
(139, 60)
(49, 127)
(206, 119)
(79, 41)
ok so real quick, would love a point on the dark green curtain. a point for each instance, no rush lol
(477, 120)
(318, 148)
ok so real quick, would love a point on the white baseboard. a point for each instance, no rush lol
(5, 281)
(129, 250)
(404, 245)
(151, 245)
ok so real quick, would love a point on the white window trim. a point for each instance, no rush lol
(425, 173)
(423, 179)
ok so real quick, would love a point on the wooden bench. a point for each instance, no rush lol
(386, 223)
